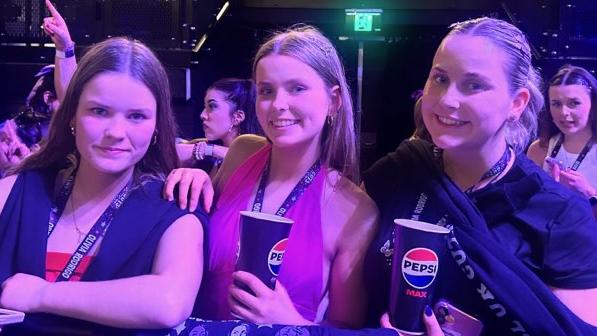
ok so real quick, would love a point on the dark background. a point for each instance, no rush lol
(395, 67)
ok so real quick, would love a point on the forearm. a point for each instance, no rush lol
(64, 69)
(220, 152)
(124, 303)
(185, 154)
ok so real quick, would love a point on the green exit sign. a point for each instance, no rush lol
(363, 21)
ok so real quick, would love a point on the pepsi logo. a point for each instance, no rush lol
(419, 267)
(275, 256)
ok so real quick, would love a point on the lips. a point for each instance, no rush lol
(280, 123)
(111, 150)
(450, 121)
(567, 123)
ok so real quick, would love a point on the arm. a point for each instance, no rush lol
(187, 157)
(580, 301)
(537, 153)
(347, 291)
(161, 299)
(64, 68)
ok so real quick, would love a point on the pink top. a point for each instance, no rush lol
(302, 270)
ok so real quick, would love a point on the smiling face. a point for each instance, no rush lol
(292, 101)
(467, 99)
(114, 123)
(570, 108)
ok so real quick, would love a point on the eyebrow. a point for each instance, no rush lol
(468, 74)
(142, 109)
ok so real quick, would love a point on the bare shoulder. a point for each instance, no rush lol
(6, 185)
(537, 153)
(239, 151)
(352, 209)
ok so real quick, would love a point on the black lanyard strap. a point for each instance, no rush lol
(579, 158)
(97, 230)
(294, 195)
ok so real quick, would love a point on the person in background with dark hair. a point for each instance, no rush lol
(22, 132)
(229, 111)
(567, 145)
(85, 236)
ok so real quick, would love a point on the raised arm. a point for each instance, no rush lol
(65, 67)
(161, 299)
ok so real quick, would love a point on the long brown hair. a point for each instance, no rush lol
(569, 75)
(339, 142)
(120, 55)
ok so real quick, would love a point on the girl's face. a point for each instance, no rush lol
(114, 123)
(293, 101)
(217, 115)
(570, 108)
(467, 100)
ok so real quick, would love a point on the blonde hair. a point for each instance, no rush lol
(518, 68)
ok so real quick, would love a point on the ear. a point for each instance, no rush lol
(519, 103)
(336, 100)
(238, 117)
(46, 97)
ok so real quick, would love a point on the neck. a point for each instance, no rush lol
(230, 136)
(291, 163)
(575, 142)
(466, 166)
(93, 186)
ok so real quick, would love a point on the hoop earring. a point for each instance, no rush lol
(155, 139)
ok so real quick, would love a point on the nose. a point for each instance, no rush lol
(115, 127)
(565, 111)
(203, 115)
(450, 97)
(280, 102)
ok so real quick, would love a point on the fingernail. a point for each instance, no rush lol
(428, 311)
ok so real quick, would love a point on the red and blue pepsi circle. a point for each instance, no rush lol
(275, 256)
(419, 267)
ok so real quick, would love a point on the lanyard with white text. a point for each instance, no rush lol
(580, 156)
(294, 194)
(96, 232)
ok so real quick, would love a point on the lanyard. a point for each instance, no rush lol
(296, 192)
(580, 156)
(97, 231)
(494, 171)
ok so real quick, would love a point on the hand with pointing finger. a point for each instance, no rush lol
(56, 28)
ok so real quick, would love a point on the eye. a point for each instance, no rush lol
(555, 104)
(474, 86)
(439, 78)
(137, 116)
(298, 89)
(212, 106)
(265, 91)
(99, 111)
(574, 103)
